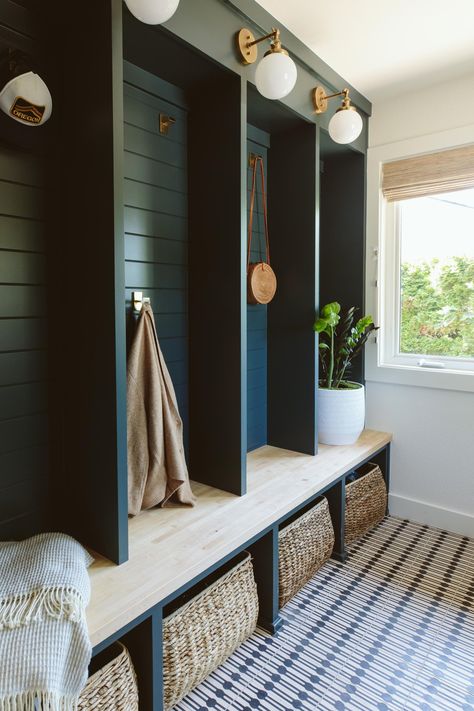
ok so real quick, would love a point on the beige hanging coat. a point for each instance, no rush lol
(157, 471)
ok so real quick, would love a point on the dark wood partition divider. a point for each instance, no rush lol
(89, 488)
(342, 255)
(217, 285)
(292, 346)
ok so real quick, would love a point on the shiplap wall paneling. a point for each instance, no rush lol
(23, 345)
(156, 219)
(258, 143)
(24, 451)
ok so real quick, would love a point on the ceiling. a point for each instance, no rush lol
(382, 47)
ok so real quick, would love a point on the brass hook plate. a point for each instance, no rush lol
(252, 158)
(165, 123)
(137, 301)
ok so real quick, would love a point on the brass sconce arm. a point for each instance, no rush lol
(320, 99)
(247, 44)
(274, 35)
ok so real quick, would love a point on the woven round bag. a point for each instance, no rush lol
(261, 279)
(261, 283)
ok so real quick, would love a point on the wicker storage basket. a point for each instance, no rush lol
(366, 502)
(304, 546)
(114, 686)
(202, 633)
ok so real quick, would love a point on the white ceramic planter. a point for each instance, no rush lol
(341, 415)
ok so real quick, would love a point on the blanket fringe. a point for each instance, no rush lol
(33, 606)
(38, 701)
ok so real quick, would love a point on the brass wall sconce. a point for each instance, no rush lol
(276, 73)
(346, 124)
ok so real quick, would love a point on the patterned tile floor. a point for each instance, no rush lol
(393, 628)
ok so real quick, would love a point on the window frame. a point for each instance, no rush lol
(377, 369)
(390, 355)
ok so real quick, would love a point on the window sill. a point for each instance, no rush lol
(416, 376)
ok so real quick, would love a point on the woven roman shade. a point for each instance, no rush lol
(430, 174)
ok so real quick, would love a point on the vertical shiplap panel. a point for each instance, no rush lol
(258, 143)
(156, 219)
(24, 452)
(23, 345)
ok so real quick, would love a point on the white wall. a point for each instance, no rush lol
(433, 429)
(427, 111)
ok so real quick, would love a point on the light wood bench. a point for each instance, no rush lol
(172, 548)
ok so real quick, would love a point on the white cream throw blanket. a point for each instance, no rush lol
(44, 644)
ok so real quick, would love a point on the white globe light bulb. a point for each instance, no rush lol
(345, 126)
(152, 12)
(276, 75)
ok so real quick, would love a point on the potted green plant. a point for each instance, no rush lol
(341, 402)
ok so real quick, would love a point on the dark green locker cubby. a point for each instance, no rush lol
(156, 217)
(342, 225)
(290, 344)
(76, 240)
(63, 324)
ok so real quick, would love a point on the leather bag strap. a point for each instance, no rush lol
(258, 161)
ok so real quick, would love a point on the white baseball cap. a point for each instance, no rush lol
(26, 99)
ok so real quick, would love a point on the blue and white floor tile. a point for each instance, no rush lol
(390, 630)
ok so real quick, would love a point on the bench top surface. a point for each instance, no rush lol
(170, 547)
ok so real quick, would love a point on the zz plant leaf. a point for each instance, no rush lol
(341, 339)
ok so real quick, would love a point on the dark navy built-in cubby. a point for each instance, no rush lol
(182, 198)
(156, 217)
(92, 214)
(342, 229)
(282, 349)
(98, 204)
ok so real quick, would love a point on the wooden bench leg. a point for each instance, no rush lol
(383, 460)
(145, 644)
(265, 559)
(336, 497)
(157, 623)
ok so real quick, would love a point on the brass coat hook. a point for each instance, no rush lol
(138, 300)
(165, 123)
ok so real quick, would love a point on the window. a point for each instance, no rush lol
(425, 295)
(428, 282)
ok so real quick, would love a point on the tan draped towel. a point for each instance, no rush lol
(157, 471)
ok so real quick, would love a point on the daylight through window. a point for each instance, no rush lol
(437, 275)
(428, 282)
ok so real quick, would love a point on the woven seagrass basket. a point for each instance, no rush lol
(366, 502)
(202, 633)
(304, 546)
(114, 686)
